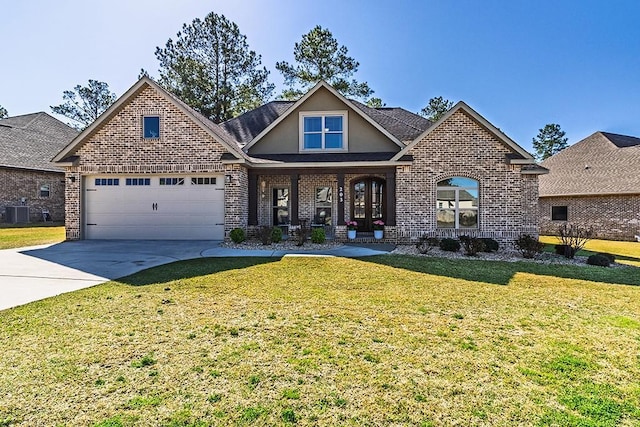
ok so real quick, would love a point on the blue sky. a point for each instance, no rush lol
(521, 64)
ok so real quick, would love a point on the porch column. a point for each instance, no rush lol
(390, 198)
(253, 198)
(294, 199)
(341, 192)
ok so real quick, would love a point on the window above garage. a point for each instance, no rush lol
(151, 127)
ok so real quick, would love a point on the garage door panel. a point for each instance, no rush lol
(154, 212)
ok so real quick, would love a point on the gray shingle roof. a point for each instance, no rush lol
(247, 126)
(402, 124)
(30, 141)
(602, 163)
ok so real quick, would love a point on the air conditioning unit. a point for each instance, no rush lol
(17, 214)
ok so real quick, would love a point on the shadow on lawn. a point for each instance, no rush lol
(191, 268)
(501, 272)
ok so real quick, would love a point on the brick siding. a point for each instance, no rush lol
(19, 183)
(183, 147)
(612, 217)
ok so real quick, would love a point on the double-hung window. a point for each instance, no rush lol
(321, 131)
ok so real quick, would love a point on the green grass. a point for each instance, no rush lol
(20, 235)
(625, 252)
(388, 340)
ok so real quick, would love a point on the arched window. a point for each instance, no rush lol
(457, 203)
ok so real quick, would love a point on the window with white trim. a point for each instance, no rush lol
(323, 131)
(203, 181)
(457, 203)
(45, 190)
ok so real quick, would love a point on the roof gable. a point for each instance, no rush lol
(525, 157)
(348, 104)
(207, 125)
(29, 141)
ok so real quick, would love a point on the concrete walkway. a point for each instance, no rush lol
(33, 273)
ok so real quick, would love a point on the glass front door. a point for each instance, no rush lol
(367, 202)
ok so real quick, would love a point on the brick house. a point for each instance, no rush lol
(152, 168)
(27, 144)
(595, 182)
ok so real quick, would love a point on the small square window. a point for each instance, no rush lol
(44, 190)
(151, 127)
(559, 213)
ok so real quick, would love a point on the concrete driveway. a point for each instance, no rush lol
(34, 273)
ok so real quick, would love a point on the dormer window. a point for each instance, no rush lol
(323, 131)
(151, 127)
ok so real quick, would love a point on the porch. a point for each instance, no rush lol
(323, 198)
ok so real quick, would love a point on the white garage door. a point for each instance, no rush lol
(154, 207)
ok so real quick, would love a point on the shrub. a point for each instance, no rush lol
(575, 237)
(599, 259)
(318, 236)
(237, 235)
(301, 234)
(276, 234)
(265, 235)
(426, 243)
(490, 245)
(471, 245)
(528, 245)
(450, 245)
(610, 257)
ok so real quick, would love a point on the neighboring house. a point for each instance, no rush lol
(27, 177)
(152, 168)
(595, 182)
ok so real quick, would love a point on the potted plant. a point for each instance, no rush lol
(351, 229)
(378, 228)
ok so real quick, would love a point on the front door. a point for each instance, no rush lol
(367, 202)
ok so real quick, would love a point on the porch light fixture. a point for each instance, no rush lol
(72, 179)
(227, 179)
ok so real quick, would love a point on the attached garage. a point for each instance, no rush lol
(166, 207)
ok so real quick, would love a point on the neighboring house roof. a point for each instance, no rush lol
(31, 140)
(66, 155)
(603, 163)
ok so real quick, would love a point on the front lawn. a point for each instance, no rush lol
(388, 340)
(21, 235)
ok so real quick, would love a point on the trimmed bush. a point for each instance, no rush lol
(565, 250)
(237, 235)
(265, 235)
(449, 245)
(599, 260)
(318, 236)
(528, 245)
(471, 245)
(276, 234)
(490, 245)
(610, 257)
(426, 244)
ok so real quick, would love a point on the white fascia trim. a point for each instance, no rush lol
(522, 161)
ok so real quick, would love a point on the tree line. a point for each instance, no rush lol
(210, 66)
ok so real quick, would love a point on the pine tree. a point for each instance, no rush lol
(210, 67)
(84, 104)
(549, 141)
